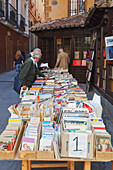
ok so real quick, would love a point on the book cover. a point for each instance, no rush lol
(84, 54)
(92, 55)
(76, 54)
(103, 143)
(83, 62)
(98, 80)
(76, 62)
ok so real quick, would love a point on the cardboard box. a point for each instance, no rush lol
(66, 146)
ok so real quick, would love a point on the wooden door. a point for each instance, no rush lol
(47, 47)
(9, 54)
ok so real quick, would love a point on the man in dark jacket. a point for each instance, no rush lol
(30, 70)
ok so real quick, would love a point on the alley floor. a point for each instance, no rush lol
(8, 97)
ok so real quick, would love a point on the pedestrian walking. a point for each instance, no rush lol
(18, 62)
(63, 60)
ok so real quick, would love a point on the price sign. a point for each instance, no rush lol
(78, 145)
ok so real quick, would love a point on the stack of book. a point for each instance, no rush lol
(29, 140)
(47, 136)
(9, 135)
(48, 88)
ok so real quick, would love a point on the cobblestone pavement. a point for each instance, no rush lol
(8, 97)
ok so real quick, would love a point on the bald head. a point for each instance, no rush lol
(61, 50)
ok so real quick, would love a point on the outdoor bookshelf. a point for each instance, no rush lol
(100, 63)
(109, 91)
(90, 61)
(103, 71)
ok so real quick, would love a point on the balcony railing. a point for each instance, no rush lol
(12, 14)
(1, 8)
(22, 22)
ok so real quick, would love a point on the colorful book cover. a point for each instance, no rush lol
(84, 54)
(76, 62)
(76, 54)
(92, 55)
(83, 62)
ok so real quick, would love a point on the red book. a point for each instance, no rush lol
(76, 62)
(103, 128)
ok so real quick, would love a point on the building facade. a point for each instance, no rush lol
(36, 15)
(14, 34)
(56, 9)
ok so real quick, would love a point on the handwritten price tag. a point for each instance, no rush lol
(78, 145)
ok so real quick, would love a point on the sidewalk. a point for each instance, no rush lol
(8, 97)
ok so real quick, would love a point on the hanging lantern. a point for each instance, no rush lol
(54, 2)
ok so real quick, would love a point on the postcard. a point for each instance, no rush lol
(76, 54)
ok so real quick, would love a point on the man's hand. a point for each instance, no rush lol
(24, 87)
(47, 78)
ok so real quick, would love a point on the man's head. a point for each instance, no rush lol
(61, 50)
(39, 51)
(36, 55)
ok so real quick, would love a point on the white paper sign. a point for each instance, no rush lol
(78, 145)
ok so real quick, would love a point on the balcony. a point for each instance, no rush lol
(1, 8)
(12, 15)
(22, 22)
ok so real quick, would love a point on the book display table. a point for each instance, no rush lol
(26, 164)
(62, 127)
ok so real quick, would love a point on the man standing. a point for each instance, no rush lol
(30, 70)
(63, 60)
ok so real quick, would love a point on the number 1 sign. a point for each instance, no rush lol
(78, 145)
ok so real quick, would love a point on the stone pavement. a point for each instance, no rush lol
(8, 97)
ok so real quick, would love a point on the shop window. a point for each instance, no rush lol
(81, 47)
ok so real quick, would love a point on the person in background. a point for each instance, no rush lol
(23, 55)
(63, 60)
(30, 70)
(29, 54)
(18, 62)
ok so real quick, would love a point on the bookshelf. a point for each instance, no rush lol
(90, 61)
(100, 65)
(109, 91)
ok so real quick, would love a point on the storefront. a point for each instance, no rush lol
(74, 35)
(69, 34)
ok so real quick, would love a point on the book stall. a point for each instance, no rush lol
(55, 121)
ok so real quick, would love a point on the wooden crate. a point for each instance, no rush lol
(28, 154)
(45, 155)
(8, 155)
(104, 155)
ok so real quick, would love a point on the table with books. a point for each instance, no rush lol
(56, 122)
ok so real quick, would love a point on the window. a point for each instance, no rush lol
(81, 46)
(81, 6)
(73, 7)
